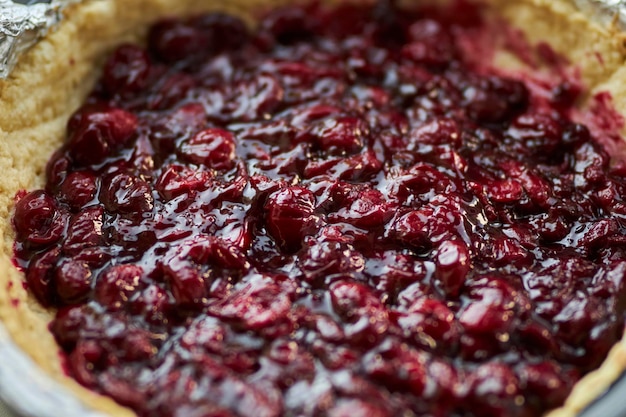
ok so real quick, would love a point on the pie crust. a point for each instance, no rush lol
(54, 77)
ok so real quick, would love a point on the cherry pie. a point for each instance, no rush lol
(358, 210)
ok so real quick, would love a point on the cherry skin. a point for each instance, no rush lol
(214, 148)
(37, 218)
(127, 71)
(290, 216)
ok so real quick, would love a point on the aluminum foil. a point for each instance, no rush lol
(22, 24)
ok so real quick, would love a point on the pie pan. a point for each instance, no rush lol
(61, 71)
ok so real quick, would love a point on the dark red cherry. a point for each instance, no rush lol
(431, 324)
(126, 194)
(115, 285)
(172, 40)
(78, 189)
(73, 281)
(213, 148)
(127, 70)
(69, 323)
(225, 32)
(290, 216)
(493, 390)
(40, 276)
(495, 99)
(84, 230)
(99, 133)
(176, 180)
(453, 264)
(340, 135)
(368, 210)
(547, 382)
(289, 25)
(254, 306)
(491, 310)
(37, 219)
(429, 44)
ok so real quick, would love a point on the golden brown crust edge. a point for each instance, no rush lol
(55, 76)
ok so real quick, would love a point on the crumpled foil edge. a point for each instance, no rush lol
(21, 26)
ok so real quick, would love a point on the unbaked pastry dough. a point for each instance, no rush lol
(55, 76)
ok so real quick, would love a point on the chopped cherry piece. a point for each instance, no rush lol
(429, 44)
(37, 219)
(341, 135)
(207, 333)
(256, 98)
(495, 100)
(73, 281)
(225, 32)
(330, 257)
(431, 324)
(116, 284)
(351, 298)
(505, 191)
(40, 275)
(537, 134)
(84, 230)
(153, 303)
(176, 180)
(366, 318)
(126, 194)
(453, 266)
(547, 382)
(494, 389)
(214, 148)
(291, 216)
(99, 133)
(171, 91)
(367, 211)
(437, 132)
(127, 70)
(255, 306)
(138, 345)
(412, 228)
(56, 170)
(78, 189)
(289, 24)
(187, 284)
(172, 40)
(68, 324)
(491, 311)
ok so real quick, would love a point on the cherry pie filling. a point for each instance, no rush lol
(338, 213)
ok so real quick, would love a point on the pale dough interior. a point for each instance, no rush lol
(54, 77)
